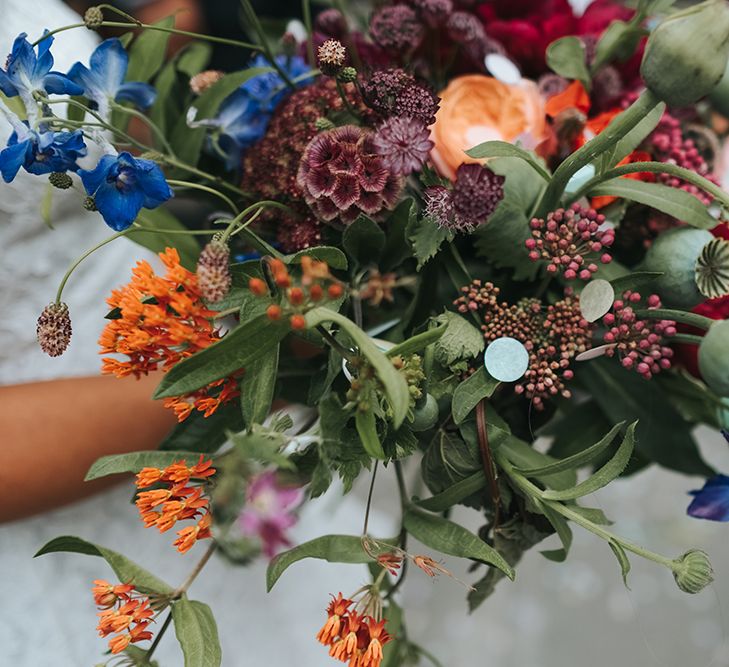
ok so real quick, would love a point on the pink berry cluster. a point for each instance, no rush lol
(639, 343)
(553, 336)
(566, 237)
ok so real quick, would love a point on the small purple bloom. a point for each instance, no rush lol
(712, 501)
(269, 511)
(404, 143)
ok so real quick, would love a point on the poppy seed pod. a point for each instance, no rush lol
(687, 53)
(713, 361)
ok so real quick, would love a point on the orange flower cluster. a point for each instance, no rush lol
(315, 277)
(353, 637)
(122, 614)
(177, 500)
(157, 322)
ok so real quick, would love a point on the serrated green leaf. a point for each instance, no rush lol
(452, 539)
(576, 460)
(160, 221)
(417, 343)
(671, 201)
(604, 475)
(426, 238)
(257, 387)
(461, 340)
(135, 461)
(397, 249)
(261, 446)
(127, 570)
(331, 548)
(564, 532)
(566, 57)
(334, 257)
(491, 149)
(197, 633)
(622, 557)
(367, 429)
(364, 240)
(235, 351)
(470, 392)
(396, 388)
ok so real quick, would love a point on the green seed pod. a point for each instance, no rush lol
(60, 180)
(693, 571)
(674, 253)
(714, 358)
(90, 204)
(687, 53)
(347, 75)
(426, 416)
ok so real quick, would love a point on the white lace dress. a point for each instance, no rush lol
(552, 616)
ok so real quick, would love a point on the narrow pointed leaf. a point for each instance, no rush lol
(503, 149)
(257, 387)
(367, 430)
(560, 525)
(454, 494)
(197, 633)
(622, 559)
(417, 343)
(470, 392)
(135, 461)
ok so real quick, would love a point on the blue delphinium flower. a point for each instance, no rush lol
(104, 79)
(27, 72)
(122, 185)
(41, 152)
(244, 115)
(712, 501)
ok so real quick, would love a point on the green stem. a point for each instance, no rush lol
(75, 264)
(655, 168)
(205, 188)
(179, 592)
(692, 319)
(686, 338)
(194, 232)
(369, 499)
(343, 95)
(306, 13)
(610, 136)
(174, 162)
(150, 123)
(158, 639)
(251, 209)
(335, 344)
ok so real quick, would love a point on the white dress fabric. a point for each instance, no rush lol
(552, 616)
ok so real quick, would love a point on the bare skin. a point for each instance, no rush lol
(53, 431)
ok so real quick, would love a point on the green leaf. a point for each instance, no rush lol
(454, 494)
(135, 461)
(560, 525)
(204, 434)
(461, 340)
(426, 238)
(450, 538)
(671, 201)
(364, 240)
(417, 343)
(236, 350)
(127, 570)
(257, 387)
(197, 633)
(331, 548)
(523, 455)
(261, 446)
(72, 111)
(148, 51)
(602, 477)
(45, 207)
(160, 220)
(396, 388)
(618, 42)
(632, 139)
(576, 460)
(334, 257)
(397, 249)
(470, 392)
(566, 57)
(622, 559)
(367, 429)
(490, 149)
(193, 58)
(592, 514)
(634, 280)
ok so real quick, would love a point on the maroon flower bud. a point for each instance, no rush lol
(213, 271)
(54, 329)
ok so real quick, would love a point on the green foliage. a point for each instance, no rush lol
(334, 257)
(491, 149)
(147, 52)
(257, 387)
(417, 343)
(454, 494)
(262, 445)
(618, 42)
(126, 570)
(426, 238)
(204, 434)
(366, 425)
(197, 633)
(397, 248)
(364, 241)
(160, 221)
(472, 391)
(566, 57)
(460, 341)
(135, 461)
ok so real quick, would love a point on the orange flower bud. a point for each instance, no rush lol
(298, 322)
(316, 292)
(273, 312)
(296, 296)
(335, 291)
(257, 286)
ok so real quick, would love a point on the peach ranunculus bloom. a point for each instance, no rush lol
(476, 108)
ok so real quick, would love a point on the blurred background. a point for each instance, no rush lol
(553, 615)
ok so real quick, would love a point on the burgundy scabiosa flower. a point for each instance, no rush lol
(342, 175)
(403, 143)
(397, 29)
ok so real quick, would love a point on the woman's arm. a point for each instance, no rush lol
(51, 432)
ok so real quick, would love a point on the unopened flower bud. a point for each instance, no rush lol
(213, 271)
(347, 75)
(693, 571)
(54, 329)
(204, 80)
(687, 53)
(60, 180)
(331, 57)
(93, 18)
(90, 204)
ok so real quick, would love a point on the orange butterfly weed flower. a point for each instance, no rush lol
(122, 614)
(372, 656)
(336, 610)
(159, 321)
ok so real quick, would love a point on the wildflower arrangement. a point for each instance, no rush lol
(442, 227)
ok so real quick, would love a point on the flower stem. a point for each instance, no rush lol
(150, 123)
(686, 338)
(205, 188)
(306, 13)
(158, 638)
(179, 592)
(692, 319)
(369, 498)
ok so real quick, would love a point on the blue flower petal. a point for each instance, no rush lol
(712, 501)
(92, 87)
(142, 95)
(93, 178)
(22, 60)
(110, 61)
(56, 83)
(6, 85)
(44, 61)
(12, 159)
(153, 184)
(118, 209)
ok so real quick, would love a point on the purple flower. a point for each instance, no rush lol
(397, 29)
(712, 501)
(269, 511)
(404, 144)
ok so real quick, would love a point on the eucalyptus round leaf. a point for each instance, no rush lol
(596, 299)
(506, 359)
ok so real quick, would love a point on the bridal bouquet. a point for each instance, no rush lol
(436, 228)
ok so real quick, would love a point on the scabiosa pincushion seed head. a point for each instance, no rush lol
(331, 56)
(54, 329)
(404, 144)
(397, 29)
(566, 237)
(342, 176)
(213, 271)
(476, 193)
(93, 18)
(640, 344)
